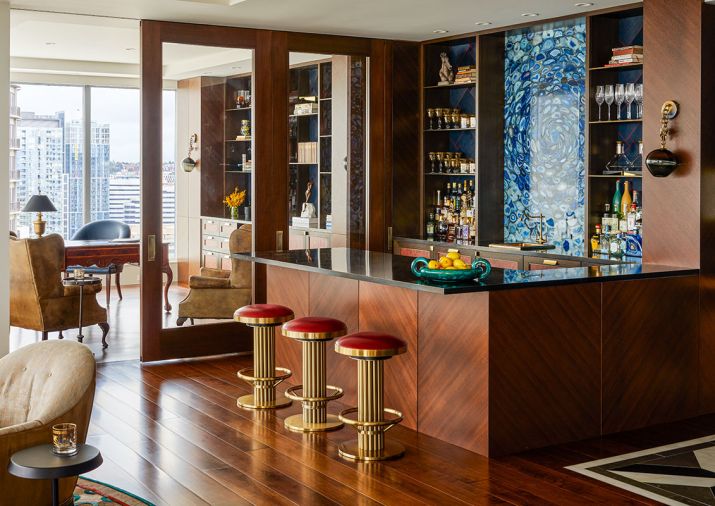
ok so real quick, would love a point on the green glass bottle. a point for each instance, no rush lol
(617, 198)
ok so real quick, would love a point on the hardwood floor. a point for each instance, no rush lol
(172, 433)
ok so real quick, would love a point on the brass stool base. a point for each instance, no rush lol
(350, 450)
(249, 402)
(296, 424)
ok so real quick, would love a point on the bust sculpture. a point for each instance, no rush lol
(308, 209)
(445, 73)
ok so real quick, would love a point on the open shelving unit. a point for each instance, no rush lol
(238, 151)
(605, 32)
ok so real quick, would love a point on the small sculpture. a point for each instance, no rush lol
(445, 73)
(308, 209)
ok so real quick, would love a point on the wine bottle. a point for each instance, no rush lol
(626, 199)
(617, 195)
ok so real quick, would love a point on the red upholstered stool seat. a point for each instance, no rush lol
(314, 328)
(370, 345)
(263, 314)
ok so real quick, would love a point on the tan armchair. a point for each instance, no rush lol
(217, 293)
(38, 299)
(42, 384)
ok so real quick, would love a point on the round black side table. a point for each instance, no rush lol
(81, 282)
(39, 463)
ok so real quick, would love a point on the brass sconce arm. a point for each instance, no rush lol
(662, 162)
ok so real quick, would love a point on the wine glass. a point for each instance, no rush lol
(608, 92)
(430, 115)
(432, 158)
(600, 98)
(639, 100)
(438, 115)
(630, 97)
(620, 97)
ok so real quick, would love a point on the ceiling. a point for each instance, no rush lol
(393, 19)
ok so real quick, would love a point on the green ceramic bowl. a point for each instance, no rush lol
(479, 271)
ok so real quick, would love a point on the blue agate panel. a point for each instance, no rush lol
(544, 134)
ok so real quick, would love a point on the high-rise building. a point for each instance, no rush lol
(15, 204)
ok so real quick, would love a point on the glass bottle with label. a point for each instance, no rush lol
(430, 227)
(596, 240)
(605, 240)
(619, 163)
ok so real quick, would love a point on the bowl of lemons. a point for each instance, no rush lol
(451, 268)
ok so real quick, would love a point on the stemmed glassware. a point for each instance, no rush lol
(620, 97)
(639, 100)
(630, 97)
(608, 92)
(600, 98)
(430, 115)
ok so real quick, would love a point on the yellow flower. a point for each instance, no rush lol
(235, 199)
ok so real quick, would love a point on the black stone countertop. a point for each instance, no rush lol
(394, 270)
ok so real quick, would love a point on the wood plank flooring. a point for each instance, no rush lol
(171, 432)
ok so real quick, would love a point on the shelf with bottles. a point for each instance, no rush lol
(617, 208)
(451, 215)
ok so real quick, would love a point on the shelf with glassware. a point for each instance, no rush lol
(310, 146)
(615, 133)
(238, 143)
(449, 140)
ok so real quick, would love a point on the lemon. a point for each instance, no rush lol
(433, 264)
(450, 268)
(453, 255)
(459, 264)
(445, 262)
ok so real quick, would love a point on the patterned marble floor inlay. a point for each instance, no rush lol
(681, 473)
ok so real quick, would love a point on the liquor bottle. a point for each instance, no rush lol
(430, 227)
(637, 162)
(441, 228)
(605, 240)
(626, 199)
(617, 245)
(596, 240)
(447, 196)
(619, 163)
(631, 218)
(616, 201)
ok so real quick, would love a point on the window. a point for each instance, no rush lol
(49, 155)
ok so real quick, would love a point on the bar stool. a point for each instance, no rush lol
(370, 349)
(314, 332)
(264, 318)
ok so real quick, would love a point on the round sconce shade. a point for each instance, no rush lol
(188, 164)
(661, 162)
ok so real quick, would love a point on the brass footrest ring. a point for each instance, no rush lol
(291, 394)
(243, 374)
(385, 425)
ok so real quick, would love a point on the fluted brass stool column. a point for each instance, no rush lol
(314, 332)
(264, 376)
(370, 349)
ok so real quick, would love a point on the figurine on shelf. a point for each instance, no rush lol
(308, 209)
(446, 74)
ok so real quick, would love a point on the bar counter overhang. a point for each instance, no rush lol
(523, 360)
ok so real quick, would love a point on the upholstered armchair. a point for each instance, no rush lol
(217, 293)
(38, 299)
(42, 384)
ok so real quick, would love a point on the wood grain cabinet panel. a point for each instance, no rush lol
(394, 310)
(650, 352)
(544, 366)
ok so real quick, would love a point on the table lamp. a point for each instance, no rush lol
(39, 204)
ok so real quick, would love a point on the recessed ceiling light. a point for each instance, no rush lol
(530, 14)
(50, 43)
(483, 23)
(583, 4)
(440, 31)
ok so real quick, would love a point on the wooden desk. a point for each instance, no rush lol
(104, 253)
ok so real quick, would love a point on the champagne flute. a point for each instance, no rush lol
(600, 97)
(608, 92)
(630, 97)
(639, 100)
(620, 97)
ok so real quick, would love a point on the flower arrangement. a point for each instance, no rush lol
(234, 200)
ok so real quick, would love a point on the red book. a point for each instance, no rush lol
(620, 51)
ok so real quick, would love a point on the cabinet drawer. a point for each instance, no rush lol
(214, 260)
(502, 260)
(536, 263)
(227, 227)
(215, 243)
(211, 227)
(414, 252)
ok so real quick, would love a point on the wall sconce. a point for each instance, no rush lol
(662, 162)
(188, 163)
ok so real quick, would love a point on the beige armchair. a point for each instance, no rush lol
(42, 384)
(38, 299)
(217, 293)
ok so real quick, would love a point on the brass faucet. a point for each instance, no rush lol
(540, 217)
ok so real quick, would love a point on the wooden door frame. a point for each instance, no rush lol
(270, 181)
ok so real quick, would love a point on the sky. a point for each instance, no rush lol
(119, 107)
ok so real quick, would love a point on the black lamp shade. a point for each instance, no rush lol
(39, 204)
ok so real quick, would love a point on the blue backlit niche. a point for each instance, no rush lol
(544, 116)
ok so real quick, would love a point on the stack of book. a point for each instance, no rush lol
(627, 55)
(308, 152)
(466, 74)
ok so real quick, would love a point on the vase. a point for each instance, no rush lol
(234, 213)
(247, 213)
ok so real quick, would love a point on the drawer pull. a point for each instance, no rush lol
(551, 262)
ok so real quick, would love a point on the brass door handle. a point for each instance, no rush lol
(551, 262)
(151, 248)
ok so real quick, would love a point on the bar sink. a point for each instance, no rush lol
(522, 246)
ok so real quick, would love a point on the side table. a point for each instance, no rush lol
(81, 283)
(39, 463)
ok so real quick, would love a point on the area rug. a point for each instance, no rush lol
(680, 473)
(90, 493)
